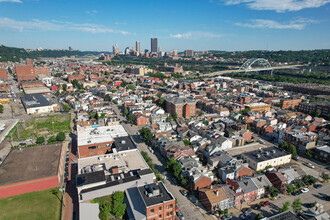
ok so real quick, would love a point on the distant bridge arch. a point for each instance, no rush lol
(263, 65)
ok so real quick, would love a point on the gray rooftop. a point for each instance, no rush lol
(265, 154)
(34, 100)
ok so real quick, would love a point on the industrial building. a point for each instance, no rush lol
(36, 104)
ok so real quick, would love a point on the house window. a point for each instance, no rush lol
(91, 148)
(160, 216)
(167, 214)
(171, 206)
(160, 208)
(152, 211)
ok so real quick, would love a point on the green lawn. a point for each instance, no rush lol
(34, 205)
(43, 126)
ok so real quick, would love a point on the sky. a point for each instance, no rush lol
(228, 25)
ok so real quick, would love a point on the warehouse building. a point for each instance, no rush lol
(36, 104)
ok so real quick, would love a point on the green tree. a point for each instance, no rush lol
(131, 87)
(284, 145)
(126, 112)
(273, 191)
(173, 166)
(1, 108)
(105, 210)
(296, 206)
(40, 140)
(146, 134)
(292, 150)
(60, 136)
(186, 142)
(175, 116)
(289, 189)
(148, 98)
(161, 102)
(309, 180)
(258, 216)
(64, 87)
(298, 183)
(119, 207)
(66, 108)
(201, 113)
(286, 206)
(130, 118)
(169, 118)
(51, 139)
(318, 113)
(107, 98)
(309, 154)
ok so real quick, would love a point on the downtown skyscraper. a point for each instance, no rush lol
(154, 45)
(137, 46)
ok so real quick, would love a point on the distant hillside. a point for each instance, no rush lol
(14, 54)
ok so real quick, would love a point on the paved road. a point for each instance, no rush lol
(189, 210)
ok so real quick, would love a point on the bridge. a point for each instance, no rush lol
(247, 66)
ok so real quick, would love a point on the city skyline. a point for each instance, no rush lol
(198, 25)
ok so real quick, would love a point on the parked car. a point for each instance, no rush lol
(244, 216)
(151, 150)
(310, 165)
(183, 192)
(317, 186)
(297, 193)
(327, 198)
(304, 190)
(256, 207)
(29, 139)
(179, 213)
(265, 203)
(246, 210)
(226, 217)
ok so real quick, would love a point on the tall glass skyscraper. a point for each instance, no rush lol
(154, 45)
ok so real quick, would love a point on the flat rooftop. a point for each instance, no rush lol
(256, 104)
(265, 154)
(124, 143)
(154, 193)
(125, 161)
(34, 100)
(30, 163)
(88, 135)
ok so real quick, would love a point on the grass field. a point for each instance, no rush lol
(43, 126)
(31, 206)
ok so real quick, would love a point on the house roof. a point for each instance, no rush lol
(215, 194)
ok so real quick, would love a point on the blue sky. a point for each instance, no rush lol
(178, 24)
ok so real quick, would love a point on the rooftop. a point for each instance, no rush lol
(30, 163)
(34, 100)
(125, 161)
(124, 143)
(88, 135)
(265, 154)
(153, 194)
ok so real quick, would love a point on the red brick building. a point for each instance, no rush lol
(28, 72)
(155, 202)
(140, 119)
(40, 167)
(75, 77)
(181, 106)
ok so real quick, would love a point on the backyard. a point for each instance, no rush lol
(35, 205)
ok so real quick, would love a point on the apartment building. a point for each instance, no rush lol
(181, 106)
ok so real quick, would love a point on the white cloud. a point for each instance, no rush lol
(35, 24)
(13, 1)
(92, 12)
(278, 5)
(195, 35)
(297, 24)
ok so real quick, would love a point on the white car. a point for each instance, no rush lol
(304, 190)
(310, 165)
